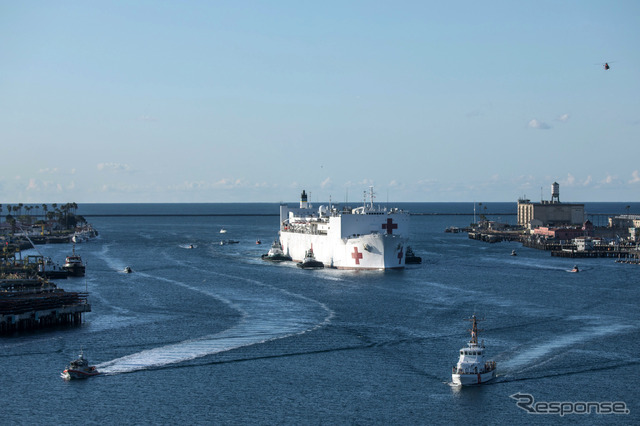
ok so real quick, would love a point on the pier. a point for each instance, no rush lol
(32, 304)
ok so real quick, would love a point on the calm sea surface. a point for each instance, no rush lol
(214, 335)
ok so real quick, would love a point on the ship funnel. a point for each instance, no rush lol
(303, 200)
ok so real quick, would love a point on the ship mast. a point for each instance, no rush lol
(474, 329)
(371, 196)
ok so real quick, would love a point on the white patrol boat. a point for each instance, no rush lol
(366, 237)
(79, 369)
(472, 369)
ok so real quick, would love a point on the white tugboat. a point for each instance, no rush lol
(79, 369)
(472, 369)
(275, 253)
(310, 261)
(366, 237)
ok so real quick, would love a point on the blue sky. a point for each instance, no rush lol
(227, 101)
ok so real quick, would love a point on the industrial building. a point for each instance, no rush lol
(549, 213)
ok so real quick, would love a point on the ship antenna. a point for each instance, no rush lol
(371, 195)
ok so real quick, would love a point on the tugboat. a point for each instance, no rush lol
(275, 253)
(73, 265)
(411, 258)
(79, 369)
(310, 261)
(472, 369)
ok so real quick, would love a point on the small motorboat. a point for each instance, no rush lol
(258, 242)
(73, 264)
(127, 270)
(310, 261)
(275, 253)
(79, 369)
(575, 269)
(513, 253)
(471, 368)
(225, 242)
(223, 231)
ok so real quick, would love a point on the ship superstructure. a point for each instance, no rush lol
(366, 237)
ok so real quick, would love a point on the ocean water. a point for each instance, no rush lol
(214, 335)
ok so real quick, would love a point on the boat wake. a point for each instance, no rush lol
(528, 358)
(267, 313)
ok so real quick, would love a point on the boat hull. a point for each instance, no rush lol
(372, 251)
(473, 378)
(74, 270)
(78, 374)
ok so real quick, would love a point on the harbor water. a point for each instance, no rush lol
(204, 333)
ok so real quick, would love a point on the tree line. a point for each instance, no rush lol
(63, 214)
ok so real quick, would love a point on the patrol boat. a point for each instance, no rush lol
(471, 368)
(366, 237)
(73, 264)
(79, 369)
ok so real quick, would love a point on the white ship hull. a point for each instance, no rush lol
(373, 251)
(472, 379)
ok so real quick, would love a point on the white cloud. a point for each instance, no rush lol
(570, 180)
(587, 181)
(325, 183)
(535, 124)
(48, 170)
(635, 177)
(147, 117)
(113, 167)
(564, 118)
(32, 186)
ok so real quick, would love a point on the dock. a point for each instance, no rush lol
(32, 304)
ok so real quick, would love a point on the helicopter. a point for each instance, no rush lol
(605, 65)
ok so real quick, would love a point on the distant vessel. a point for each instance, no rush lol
(127, 270)
(310, 261)
(225, 242)
(513, 252)
(79, 369)
(73, 264)
(471, 368)
(275, 253)
(575, 269)
(223, 231)
(365, 237)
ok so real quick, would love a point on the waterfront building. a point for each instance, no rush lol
(549, 213)
(625, 221)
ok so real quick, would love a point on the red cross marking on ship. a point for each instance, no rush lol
(400, 256)
(389, 226)
(357, 256)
